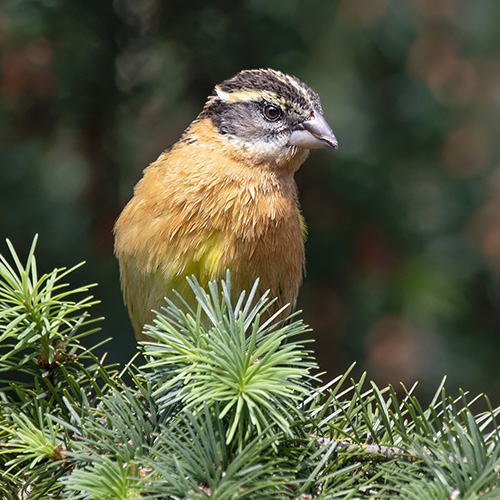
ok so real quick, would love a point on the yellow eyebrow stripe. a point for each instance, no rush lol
(255, 95)
(246, 95)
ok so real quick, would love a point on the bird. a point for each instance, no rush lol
(224, 198)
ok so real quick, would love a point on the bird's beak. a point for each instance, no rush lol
(314, 133)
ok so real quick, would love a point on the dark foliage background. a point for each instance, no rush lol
(404, 219)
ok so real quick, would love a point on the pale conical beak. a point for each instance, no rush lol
(314, 133)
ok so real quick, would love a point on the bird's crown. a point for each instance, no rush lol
(270, 86)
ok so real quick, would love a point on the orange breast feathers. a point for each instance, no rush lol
(199, 211)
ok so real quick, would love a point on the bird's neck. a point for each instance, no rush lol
(281, 166)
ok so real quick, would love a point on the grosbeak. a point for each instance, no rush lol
(224, 197)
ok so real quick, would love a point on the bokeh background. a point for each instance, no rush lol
(403, 272)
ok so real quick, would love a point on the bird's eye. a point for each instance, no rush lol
(272, 113)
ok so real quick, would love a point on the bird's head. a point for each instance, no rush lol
(272, 116)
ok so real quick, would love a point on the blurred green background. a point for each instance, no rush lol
(403, 254)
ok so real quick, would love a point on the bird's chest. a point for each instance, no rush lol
(266, 234)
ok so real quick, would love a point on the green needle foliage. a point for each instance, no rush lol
(226, 406)
(237, 360)
(37, 310)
